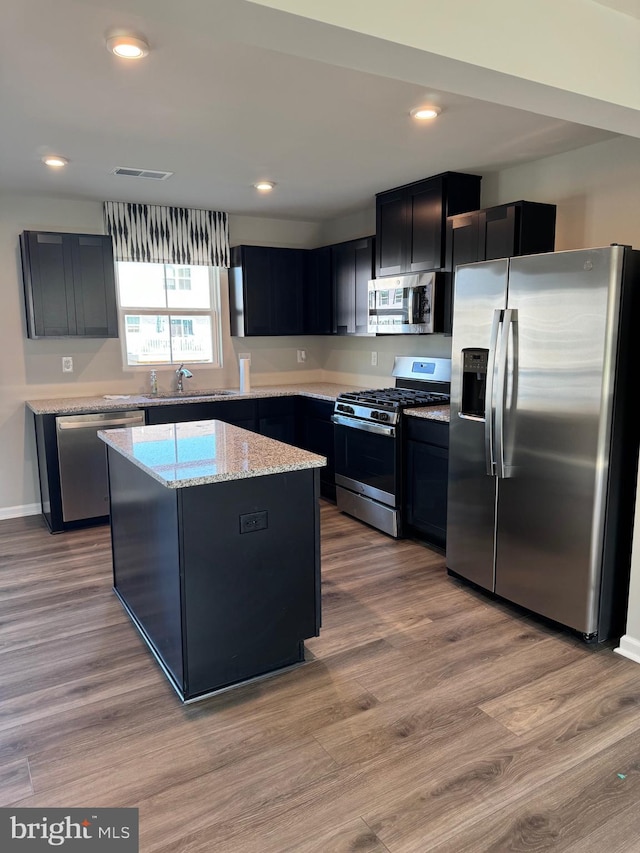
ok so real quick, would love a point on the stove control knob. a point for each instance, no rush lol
(375, 415)
(348, 409)
(384, 416)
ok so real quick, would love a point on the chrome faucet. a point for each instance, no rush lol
(182, 373)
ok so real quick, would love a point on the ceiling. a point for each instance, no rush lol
(220, 111)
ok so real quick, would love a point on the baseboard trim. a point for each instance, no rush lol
(19, 511)
(629, 648)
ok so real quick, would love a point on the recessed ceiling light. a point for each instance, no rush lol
(264, 186)
(425, 113)
(128, 47)
(54, 161)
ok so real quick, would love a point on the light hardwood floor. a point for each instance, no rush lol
(427, 719)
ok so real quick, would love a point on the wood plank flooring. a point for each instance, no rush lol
(427, 718)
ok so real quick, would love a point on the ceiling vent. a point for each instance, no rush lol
(141, 173)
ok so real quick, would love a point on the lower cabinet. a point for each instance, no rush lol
(426, 472)
(277, 418)
(240, 413)
(302, 421)
(315, 433)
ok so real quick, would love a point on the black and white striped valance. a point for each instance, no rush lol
(153, 233)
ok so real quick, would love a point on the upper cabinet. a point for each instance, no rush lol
(504, 231)
(69, 282)
(318, 293)
(410, 221)
(266, 288)
(352, 266)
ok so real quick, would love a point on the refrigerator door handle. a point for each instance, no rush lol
(509, 317)
(489, 443)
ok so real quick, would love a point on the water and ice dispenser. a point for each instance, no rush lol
(474, 382)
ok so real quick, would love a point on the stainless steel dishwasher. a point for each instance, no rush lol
(83, 461)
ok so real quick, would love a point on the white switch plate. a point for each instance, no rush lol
(67, 364)
(302, 356)
(374, 359)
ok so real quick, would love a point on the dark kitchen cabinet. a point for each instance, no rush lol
(426, 474)
(352, 268)
(69, 283)
(266, 287)
(518, 228)
(277, 418)
(315, 433)
(318, 292)
(410, 221)
(241, 413)
(504, 231)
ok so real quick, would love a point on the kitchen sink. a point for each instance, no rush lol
(181, 395)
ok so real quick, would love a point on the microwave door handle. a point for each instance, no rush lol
(501, 470)
(489, 407)
(410, 305)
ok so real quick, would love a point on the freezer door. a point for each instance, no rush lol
(480, 296)
(556, 433)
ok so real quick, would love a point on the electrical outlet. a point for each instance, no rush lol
(67, 364)
(302, 356)
(374, 359)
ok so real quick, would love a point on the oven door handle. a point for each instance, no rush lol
(365, 426)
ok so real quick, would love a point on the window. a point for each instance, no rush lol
(169, 314)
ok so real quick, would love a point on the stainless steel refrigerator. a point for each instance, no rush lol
(543, 437)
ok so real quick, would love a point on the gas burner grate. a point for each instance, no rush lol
(395, 397)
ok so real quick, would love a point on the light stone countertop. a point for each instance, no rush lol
(200, 452)
(72, 405)
(430, 413)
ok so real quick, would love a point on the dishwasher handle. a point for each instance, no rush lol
(136, 420)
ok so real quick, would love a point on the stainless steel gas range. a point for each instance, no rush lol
(368, 439)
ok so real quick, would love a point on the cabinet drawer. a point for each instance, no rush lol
(429, 432)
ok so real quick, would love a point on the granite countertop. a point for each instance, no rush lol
(200, 452)
(120, 402)
(430, 413)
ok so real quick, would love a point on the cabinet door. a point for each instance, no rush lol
(363, 273)
(318, 293)
(277, 418)
(352, 269)
(48, 281)
(256, 290)
(498, 230)
(94, 286)
(426, 504)
(426, 234)
(343, 262)
(286, 278)
(315, 433)
(391, 232)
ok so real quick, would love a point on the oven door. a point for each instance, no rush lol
(366, 458)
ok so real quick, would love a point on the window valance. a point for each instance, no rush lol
(153, 233)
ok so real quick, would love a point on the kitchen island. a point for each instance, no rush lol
(216, 549)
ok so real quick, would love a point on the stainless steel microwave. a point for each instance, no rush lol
(402, 305)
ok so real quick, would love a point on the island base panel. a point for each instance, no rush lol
(219, 600)
(250, 590)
